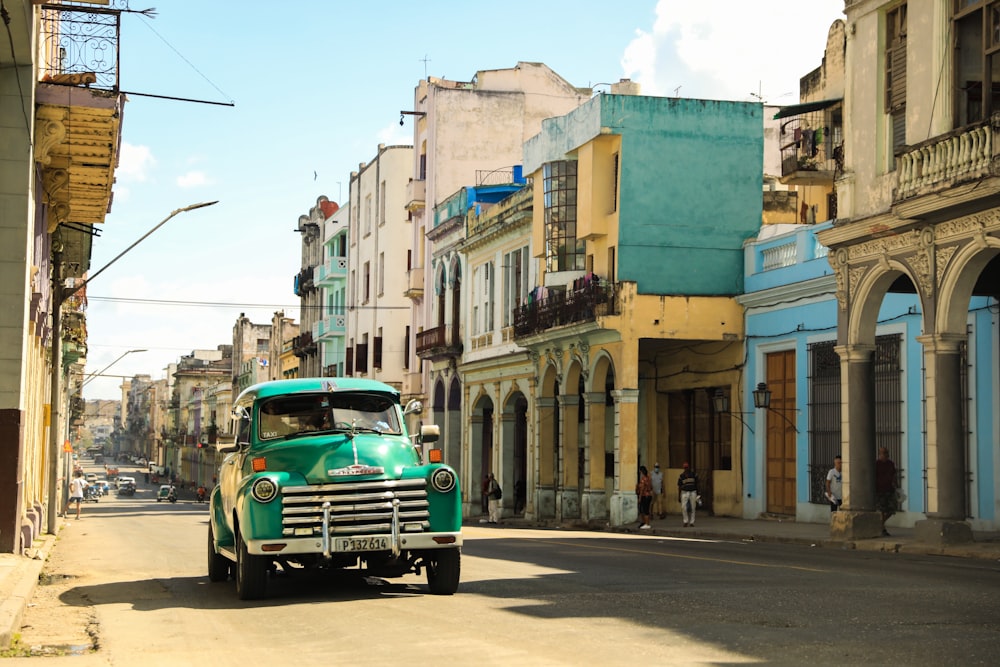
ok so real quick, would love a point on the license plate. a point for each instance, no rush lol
(362, 544)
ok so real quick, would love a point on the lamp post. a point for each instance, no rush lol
(100, 372)
(60, 293)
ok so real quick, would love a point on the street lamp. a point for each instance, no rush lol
(762, 401)
(101, 372)
(59, 295)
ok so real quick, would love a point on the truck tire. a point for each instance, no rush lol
(218, 565)
(251, 572)
(443, 570)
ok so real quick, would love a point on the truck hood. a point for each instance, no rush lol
(325, 458)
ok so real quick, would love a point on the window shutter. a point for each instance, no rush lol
(897, 90)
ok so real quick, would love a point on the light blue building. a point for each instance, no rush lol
(791, 337)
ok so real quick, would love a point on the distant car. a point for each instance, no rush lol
(105, 486)
(91, 477)
(122, 481)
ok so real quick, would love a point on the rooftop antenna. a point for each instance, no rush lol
(677, 91)
(425, 60)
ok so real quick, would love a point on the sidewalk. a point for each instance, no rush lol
(986, 545)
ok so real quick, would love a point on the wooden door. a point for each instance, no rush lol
(780, 429)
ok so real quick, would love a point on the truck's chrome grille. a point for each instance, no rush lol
(355, 507)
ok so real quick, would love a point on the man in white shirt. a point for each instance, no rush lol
(656, 477)
(835, 485)
(76, 487)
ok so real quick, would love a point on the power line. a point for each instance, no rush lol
(232, 304)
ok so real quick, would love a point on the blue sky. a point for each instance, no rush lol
(316, 86)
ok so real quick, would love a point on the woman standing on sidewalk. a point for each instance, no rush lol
(644, 489)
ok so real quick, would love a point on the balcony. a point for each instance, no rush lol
(416, 194)
(77, 118)
(331, 326)
(812, 145)
(940, 163)
(304, 345)
(414, 284)
(516, 208)
(795, 256)
(303, 283)
(582, 304)
(439, 343)
(332, 270)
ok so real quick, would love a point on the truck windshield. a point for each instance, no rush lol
(294, 414)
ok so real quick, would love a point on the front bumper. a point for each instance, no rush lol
(315, 545)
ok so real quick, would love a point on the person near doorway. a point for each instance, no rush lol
(835, 485)
(486, 493)
(644, 489)
(659, 502)
(76, 487)
(495, 495)
(687, 484)
(885, 487)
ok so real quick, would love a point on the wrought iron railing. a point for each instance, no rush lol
(79, 45)
(562, 307)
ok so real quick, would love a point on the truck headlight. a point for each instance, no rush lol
(443, 480)
(264, 490)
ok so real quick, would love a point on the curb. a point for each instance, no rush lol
(20, 587)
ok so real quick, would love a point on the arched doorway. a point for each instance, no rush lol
(481, 455)
(514, 434)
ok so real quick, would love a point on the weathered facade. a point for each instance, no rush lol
(918, 214)
(61, 123)
(466, 133)
(378, 312)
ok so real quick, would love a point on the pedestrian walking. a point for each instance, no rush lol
(835, 485)
(76, 488)
(885, 486)
(659, 502)
(687, 485)
(644, 490)
(495, 496)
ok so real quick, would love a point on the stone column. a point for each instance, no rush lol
(857, 518)
(545, 461)
(568, 494)
(624, 505)
(946, 446)
(595, 503)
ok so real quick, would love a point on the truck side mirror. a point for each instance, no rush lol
(430, 433)
(414, 407)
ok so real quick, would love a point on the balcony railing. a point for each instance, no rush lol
(414, 283)
(515, 208)
(416, 191)
(564, 307)
(332, 269)
(944, 161)
(438, 343)
(79, 45)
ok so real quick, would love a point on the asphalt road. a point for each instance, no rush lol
(131, 576)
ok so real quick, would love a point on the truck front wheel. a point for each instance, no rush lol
(251, 572)
(443, 569)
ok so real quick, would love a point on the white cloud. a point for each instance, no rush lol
(395, 135)
(134, 162)
(192, 179)
(731, 49)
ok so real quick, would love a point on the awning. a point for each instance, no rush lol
(806, 107)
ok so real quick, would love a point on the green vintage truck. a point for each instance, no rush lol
(323, 475)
